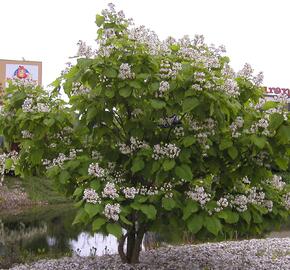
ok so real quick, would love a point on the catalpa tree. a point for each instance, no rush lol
(171, 139)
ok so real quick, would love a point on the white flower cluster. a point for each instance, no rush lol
(246, 180)
(196, 87)
(13, 155)
(261, 124)
(277, 182)
(148, 191)
(110, 191)
(231, 88)
(135, 144)
(199, 77)
(163, 88)
(137, 112)
(42, 107)
(199, 195)
(26, 134)
(143, 35)
(60, 159)
(179, 132)
(247, 72)
(256, 196)
(91, 196)
(79, 89)
(240, 202)
(221, 204)
(169, 121)
(125, 72)
(167, 188)
(84, 50)
(130, 193)
(112, 211)
(286, 200)
(236, 125)
(259, 105)
(262, 159)
(95, 170)
(28, 106)
(27, 83)
(96, 155)
(169, 71)
(203, 130)
(169, 150)
(67, 68)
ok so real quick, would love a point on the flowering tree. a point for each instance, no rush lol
(37, 122)
(171, 137)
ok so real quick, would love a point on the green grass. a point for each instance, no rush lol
(37, 188)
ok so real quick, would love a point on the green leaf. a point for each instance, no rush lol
(93, 209)
(225, 143)
(246, 215)
(168, 203)
(184, 172)
(195, 223)
(49, 122)
(212, 224)
(149, 210)
(189, 104)
(138, 165)
(188, 141)
(233, 152)
(157, 104)
(125, 92)
(95, 184)
(125, 220)
(190, 208)
(78, 192)
(258, 141)
(36, 156)
(110, 93)
(64, 177)
(283, 134)
(114, 229)
(135, 84)
(81, 217)
(98, 223)
(8, 163)
(276, 120)
(168, 165)
(92, 112)
(282, 163)
(99, 20)
(229, 216)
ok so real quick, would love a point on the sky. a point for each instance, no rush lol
(253, 31)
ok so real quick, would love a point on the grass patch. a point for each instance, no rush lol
(37, 188)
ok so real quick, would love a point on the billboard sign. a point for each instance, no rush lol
(22, 70)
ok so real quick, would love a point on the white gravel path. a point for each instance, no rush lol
(253, 254)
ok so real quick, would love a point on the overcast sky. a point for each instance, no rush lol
(253, 31)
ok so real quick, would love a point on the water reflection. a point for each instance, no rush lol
(48, 233)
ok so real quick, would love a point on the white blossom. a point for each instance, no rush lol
(125, 72)
(112, 211)
(110, 191)
(95, 170)
(91, 196)
(169, 150)
(130, 193)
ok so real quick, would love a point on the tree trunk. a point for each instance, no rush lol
(134, 242)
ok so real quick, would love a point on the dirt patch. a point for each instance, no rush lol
(15, 199)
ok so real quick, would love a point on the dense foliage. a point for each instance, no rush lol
(165, 136)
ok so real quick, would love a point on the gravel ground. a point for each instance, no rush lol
(248, 254)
